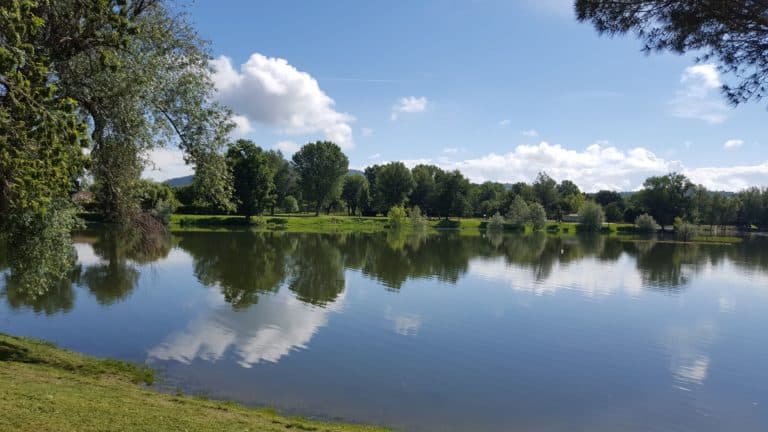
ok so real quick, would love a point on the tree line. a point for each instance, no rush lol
(317, 179)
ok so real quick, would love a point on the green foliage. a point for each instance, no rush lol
(394, 184)
(666, 197)
(290, 205)
(545, 192)
(40, 251)
(417, 220)
(613, 212)
(285, 179)
(321, 167)
(450, 196)
(424, 177)
(646, 224)
(591, 217)
(519, 212)
(685, 231)
(396, 216)
(355, 193)
(253, 178)
(537, 216)
(496, 223)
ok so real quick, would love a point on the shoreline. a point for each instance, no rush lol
(43, 387)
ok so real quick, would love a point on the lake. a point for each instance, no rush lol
(441, 332)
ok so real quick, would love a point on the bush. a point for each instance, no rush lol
(537, 216)
(290, 205)
(418, 221)
(646, 224)
(496, 223)
(685, 231)
(518, 213)
(591, 217)
(396, 217)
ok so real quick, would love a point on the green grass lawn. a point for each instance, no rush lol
(43, 388)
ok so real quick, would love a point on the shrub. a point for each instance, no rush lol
(496, 223)
(518, 213)
(290, 205)
(646, 224)
(418, 221)
(591, 217)
(685, 231)
(537, 216)
(396, 216)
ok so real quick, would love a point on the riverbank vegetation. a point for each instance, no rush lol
(46, 388)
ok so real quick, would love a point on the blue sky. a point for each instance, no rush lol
(497, 89)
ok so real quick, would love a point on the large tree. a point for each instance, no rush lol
(734, 33)
(394, 184)
(450, 197)
(286, 179)
(321, 167)
(253, 178)
(355, 193)
(666, 197)
(424, 186)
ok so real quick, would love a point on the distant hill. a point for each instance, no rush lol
(353, 171)
(179, 181)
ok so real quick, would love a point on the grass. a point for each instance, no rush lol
(44, 388)
(306, 223)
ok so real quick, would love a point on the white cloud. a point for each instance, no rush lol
(366, 132)
(166, 163)
(733, 143)
(505, 123)
(698, 98)
(530, 133)
(272, 92)
(242, 126)
(410, 104)
(287, 147)
(451, 150)
(266, 332)
(375, 156)
(598, 166)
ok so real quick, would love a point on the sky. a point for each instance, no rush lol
(497, 89)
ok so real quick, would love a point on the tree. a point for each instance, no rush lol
(666, 197)
(253, 178)
(487, 198)
(732, 32)
(754, 206)
(606, 197)
(355, 193)
(591, 217)
(518, 213)
(321, 166)
(545, 192)
(373, 207)
(450, 198)
(537, 216)
(285, 179)
(153, 89)
(424, 186)
(393, 184)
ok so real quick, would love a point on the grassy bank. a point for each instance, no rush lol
(335, 223)
(43, 388)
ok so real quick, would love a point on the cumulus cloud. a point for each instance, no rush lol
(598, 166)
(270, 91)
(166, 163)
(410, 104)
(505, 123)
(733, 143)
(698, 98)
(530, 133)
(287, 147)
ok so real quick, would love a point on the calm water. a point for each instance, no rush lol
(442, 332)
